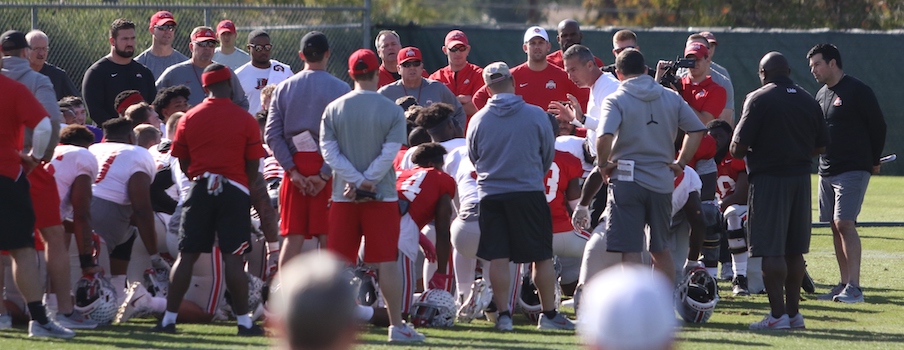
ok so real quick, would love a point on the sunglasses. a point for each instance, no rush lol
(410, 64)
(620, 49)
(260, 48)
(458, 48)
(166, 28)
(206, 44)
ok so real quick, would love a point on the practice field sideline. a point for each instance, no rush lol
(875, 324)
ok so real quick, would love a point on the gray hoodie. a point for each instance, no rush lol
(511, 144)
(644, 117)
(18, 69)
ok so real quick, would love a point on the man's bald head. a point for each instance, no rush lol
(774, 65)
(569, 34)
(569, 23)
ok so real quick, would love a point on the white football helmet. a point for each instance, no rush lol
(157, 282)
(434, 308)
(95, 297)
(697, 295)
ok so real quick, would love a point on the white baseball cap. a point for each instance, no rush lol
(627, 307)
(535, 31)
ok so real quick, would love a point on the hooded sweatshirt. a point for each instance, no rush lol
(644, 117)
(511, 144)
(18, 69)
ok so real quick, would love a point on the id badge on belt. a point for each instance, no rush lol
(624, 171)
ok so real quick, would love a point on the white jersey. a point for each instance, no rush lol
(449, 145)
(117, 163)
(163, 159)
(575, 146)
(70, 162)
(254, 79)
(462, 170)
(690, 182)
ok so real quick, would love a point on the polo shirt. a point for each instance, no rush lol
(705, 96)
(218, 136)
(540, 88)
(20, 108)
(464, 82)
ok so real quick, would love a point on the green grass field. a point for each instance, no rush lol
(875, 324)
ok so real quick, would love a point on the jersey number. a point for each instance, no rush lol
(552, 182)
(106, 167)
(412, 185)
(726, 186)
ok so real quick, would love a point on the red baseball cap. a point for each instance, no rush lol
(161, 18)
(697, 49)
(203, 35)
(225, 26)
(455, 38)
(409, 54)
(367, 57)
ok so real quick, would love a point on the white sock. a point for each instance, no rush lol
(169, 318)
(119, 282)
(244, 320)
(364, 313)
(739, 264)
(158, 305)
(713, 271)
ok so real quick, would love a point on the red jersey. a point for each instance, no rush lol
(387, 77)
(705, 96)
(464, 82)
(565, 167)
(728, 171)
(555, 59)
(423, 188)
(706, 150)
(397, 161)
(540, 88)
(20, 109)
(218, 136)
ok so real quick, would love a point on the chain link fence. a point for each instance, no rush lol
(79, 32)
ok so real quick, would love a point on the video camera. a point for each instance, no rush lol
(668, 78)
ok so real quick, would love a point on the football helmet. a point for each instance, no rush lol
(697, 295)
(434, 308)
(529, 298)
(366, 282)
(95, 297)
(255, 298)
(157, 282)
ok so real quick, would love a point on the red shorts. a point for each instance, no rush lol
(378, 222)
(45, 198)
(301, 214)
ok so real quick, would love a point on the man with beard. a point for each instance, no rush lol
(188, 73)
(569, 35)
(115, 73)
(262, 70)
(40, 49)
(161, 54)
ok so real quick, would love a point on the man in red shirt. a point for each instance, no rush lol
(697, 88)
(563, 190)
(219, 147)
(460, 76)
(17, 215)
(537, 81)
(569, 35)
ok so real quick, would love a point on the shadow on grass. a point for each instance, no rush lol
(138, 336)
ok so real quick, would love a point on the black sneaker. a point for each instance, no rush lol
(253, 331)
(160, 328)
(739, 286)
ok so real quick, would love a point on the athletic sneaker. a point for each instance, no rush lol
(772, 323)
(75, 321)
(404, 333)
(504, 323)
(136, 304)
(50, 330)
(253, 331)
(160, 328)
(558, 322)
(797, 322)
(6, 321)
(851, 294)
(476, 302)
(831, 294)
(739, 286)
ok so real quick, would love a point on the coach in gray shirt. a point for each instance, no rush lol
(426, 91)
(188, 73)
(161, 55)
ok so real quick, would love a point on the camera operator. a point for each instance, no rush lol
(717, 73)
(697, 88)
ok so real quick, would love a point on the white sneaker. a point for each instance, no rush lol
(404, 333)
(850, 294)
(504, 323)
(137, 303)
(772, 323)
(558, 322)
(6, 321)
(477, 301)
(75, 321)
(797, 322)
(50, 330)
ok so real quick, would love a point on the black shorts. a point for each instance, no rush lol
(779, 215)
(206, 218)
(516, 226)
(17, 216)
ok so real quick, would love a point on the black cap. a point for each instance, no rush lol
(314, 41)
(13, 40)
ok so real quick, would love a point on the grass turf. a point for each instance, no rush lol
(875, 324)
